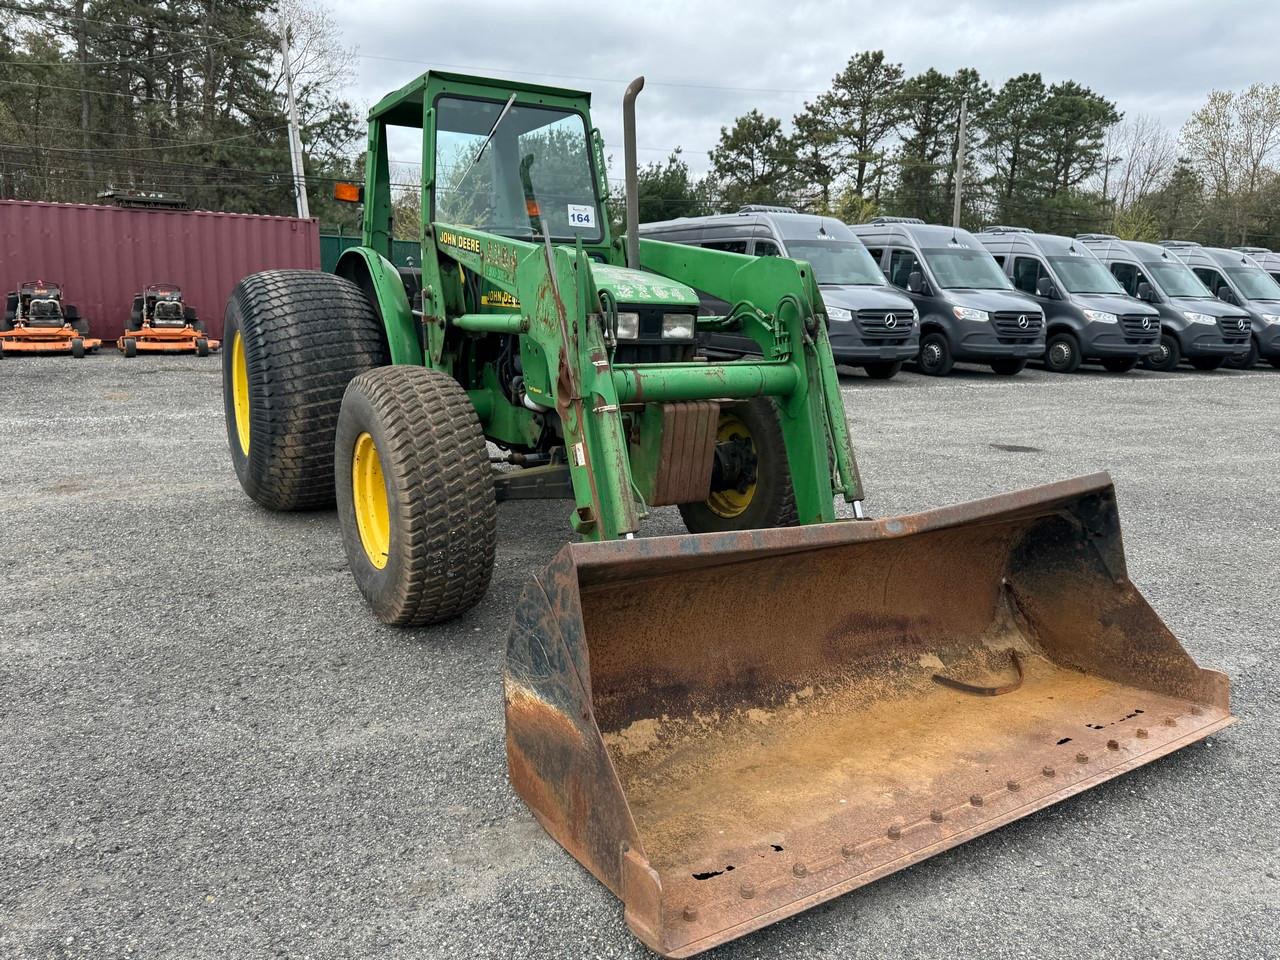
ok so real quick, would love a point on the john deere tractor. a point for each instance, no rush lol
(731, 725)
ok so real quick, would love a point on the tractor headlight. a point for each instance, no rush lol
(840, 313)
(677, 326)
(1100, 316)
(628, 326)
(967, 313)
(1200, 318)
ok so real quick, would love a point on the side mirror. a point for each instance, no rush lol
(1145, 292)
(915, 282)
(1226, 295)
(1046, 288)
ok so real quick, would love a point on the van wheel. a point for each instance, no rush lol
(935, 355)
(1166, 357)
(1008, 367)
(1243, 361)
(1062, 353)
(1208, 363)
(1119, 364)
(886, 370)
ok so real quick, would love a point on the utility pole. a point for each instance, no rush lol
(964, 116)
(295, 135)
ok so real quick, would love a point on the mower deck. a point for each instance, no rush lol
(166, 340)
(26, 339)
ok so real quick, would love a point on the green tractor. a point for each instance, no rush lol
(728, 726)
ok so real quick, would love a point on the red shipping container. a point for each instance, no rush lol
(104, 256)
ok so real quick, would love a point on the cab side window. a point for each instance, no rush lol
(902, 263)
(1027, 272)
(877, 254)
(729, 246)
(1210, 278)
(1128, 275)
(767, 248)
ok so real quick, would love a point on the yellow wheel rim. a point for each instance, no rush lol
(240, 393)
(369, 496)
(732, 502)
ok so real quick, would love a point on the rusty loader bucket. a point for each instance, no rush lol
(728, 729)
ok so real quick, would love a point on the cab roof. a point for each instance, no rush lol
(403, 108)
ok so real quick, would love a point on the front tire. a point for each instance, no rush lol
(751, 474)
(1008, 367)
(884, 370)
(415, 495)
(1062, 353)
(935, 355)
(202, 347)
(1244, 361)
(1167, 356)
(294, 340)
(77, 348)
(1119, 364)
(1208, 363)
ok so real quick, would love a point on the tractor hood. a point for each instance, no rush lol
(638, 287)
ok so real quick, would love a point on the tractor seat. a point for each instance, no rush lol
(44, 313)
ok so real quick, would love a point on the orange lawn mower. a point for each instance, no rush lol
(161, 323)
(36, 321)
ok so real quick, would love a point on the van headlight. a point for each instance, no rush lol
(628, 326)
(1200, 318)
(968, 313)
(677, 326)
(1271, 318)
(1100, 316)
(915, 315)
(840, 313)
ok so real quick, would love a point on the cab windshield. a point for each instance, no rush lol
(1176, 279)
(838, 262)
(1085, 274)
(1253, 282)
(963, 268)
(533, 177)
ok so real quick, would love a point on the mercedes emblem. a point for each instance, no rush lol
(1024, 321)
(890, 320)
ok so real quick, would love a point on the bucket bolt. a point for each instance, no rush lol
(1082, 758)
(690, 914)
(1049, 772)
(800, 870)
(936, 816)
(1142, 733)
(894, 832)
(1113, 745)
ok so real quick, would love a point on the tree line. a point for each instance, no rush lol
(177, 96)
(1056, 157)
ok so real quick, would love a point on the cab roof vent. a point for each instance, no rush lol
(1001, 229)
(880, 220)
(765, 208)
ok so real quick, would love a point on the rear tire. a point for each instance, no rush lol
(1119, 364)
(77, 348)
(1167, 356)
(935, 355)
(1208, 363)
(294, 340)
(1062, 353)
(415, 493)
(884, 370)
(768, 501)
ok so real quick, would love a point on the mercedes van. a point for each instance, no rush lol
(1194, 324)
(1238, 279)
(1088, 316)
(872, 325)
(968, 309)
(1268, 260)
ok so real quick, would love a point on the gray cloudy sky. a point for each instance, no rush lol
(708, 62)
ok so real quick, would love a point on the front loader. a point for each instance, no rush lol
(732, 725)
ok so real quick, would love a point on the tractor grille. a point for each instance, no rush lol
(1009, 326)
(1232, 329)
(875, 325)
(1134, 332)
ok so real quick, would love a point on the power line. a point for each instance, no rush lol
(116, 63)
(114, 24)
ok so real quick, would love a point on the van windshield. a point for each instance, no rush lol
(963, 268)
(837, 262)
(1253, 282)
(1176, 279)
(1085, 274)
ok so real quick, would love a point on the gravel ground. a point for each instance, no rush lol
(209, 749)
